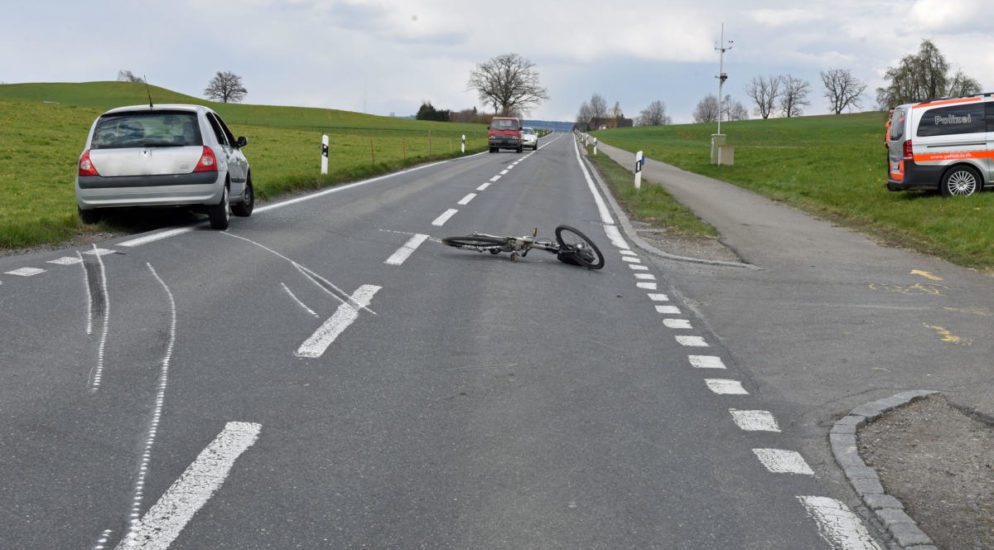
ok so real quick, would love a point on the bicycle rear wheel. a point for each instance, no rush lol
(475, 242)
(577, 248)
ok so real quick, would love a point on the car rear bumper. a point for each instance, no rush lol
(169, 190)
(914, 176)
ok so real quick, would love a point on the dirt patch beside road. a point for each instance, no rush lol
(940, 463)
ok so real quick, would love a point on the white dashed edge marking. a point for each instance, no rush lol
(646, 286)
(465, 200)
(755, 421)
(645, 276)
(483, 187)
(837, 524)
(495, 178)
(691, 341)
(781, 461)
(440, 221)
(627, 253)
(658, 297)
(26, 272)
(637, 267)
(631, 259)
(405, 251)
(706, 362)
(678, 324)
(723, 386)
(503, 172)
(668, 310)
(166, 519)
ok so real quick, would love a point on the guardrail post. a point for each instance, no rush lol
(639, 161)
(463, 146)
(324, 155)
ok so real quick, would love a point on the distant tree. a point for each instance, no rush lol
(654, 115)
(842, 89)
(733, 110)
(706, 110)
(226, 87)
(921, 77)
(508, 82)
(429, 112)
(598, 111)
(795, 95)
(465, 115)
(764, 92)
(584, 117)
(616, 113)
(128, 76)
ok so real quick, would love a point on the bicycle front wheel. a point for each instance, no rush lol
(578, 247)
(475, 242)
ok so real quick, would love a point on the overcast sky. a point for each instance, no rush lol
(385, 56)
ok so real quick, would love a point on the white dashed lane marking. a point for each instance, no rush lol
(755, 421)
(706, 362)
(402, 253)
(465, 200)
(26, 272)
(677, 324)
(646, 286)
(723, 386)
(837, 524)
(645, 276)
(659, 297)
(780, 461)
(631, 259)
(345, 315)
(440, 221)
(637, 267)
(691, 341)
(483, 187)
(626, 253)
(668, 310)
(495, 178)
(503, 172)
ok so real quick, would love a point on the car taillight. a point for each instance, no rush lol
(908, 154)
(207, 162)
(86, 167)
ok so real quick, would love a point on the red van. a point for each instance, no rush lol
(504, 132)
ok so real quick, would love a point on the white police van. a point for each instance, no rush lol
(945, 144)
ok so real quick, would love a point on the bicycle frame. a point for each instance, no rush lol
(521, 245)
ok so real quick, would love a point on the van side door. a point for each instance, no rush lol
(989, 176)
(953, 134)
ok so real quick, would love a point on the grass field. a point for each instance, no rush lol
(833, 166)
(45, 126)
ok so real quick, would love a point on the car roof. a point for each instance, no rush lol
(160, 107)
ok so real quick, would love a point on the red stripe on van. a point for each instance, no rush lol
(947, 102)
(955, 155)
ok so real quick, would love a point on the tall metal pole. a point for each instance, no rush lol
(722, 77)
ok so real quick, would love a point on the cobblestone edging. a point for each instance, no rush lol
(865, 481)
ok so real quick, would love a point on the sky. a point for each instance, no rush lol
(386, 57)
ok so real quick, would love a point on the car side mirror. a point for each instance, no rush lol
(242, 141)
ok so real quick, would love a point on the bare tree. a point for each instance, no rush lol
(795, 96)
(842, 89)
(654, 115)
(598, 110)
(226, 87)
(128, 76)
(706, 110)
(764, 93)
(509, 82)
(733, 110)
(584, 117)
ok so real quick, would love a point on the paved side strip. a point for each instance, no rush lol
(837, 524)
(166, 519)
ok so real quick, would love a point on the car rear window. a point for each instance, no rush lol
(958, 119)
(504, 124)
(152, 129)
(897, 124)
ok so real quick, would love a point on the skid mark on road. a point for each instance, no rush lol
(96, 374)
(297, 300)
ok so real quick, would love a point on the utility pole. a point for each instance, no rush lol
(722, 77)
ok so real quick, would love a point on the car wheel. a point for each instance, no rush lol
(218, 213)
(244, 207)
(521, 148)
(961, 181)
(90, 216)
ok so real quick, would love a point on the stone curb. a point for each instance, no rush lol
(631, 233)
(865, 481)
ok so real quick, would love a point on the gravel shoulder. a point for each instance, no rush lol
(939, 462)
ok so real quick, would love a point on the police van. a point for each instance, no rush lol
(946, 144)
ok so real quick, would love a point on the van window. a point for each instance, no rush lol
(146, 129)
(990, 116)
(956, 119)
(897, 124)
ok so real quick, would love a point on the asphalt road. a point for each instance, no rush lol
(304, 381)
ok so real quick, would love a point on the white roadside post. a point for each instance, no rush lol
(463, 146)
(595, 147)
(324, 155)
(639, 161)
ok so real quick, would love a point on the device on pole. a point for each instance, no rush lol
(324, 155)
(722, 47)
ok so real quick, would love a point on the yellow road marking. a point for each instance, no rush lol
(948, 336)
(926, 274)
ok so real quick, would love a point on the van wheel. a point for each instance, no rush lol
(961, 181)
(218, 213)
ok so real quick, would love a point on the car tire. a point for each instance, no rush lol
(521, 148)
(493, 149)
(90, 216)
(244, 207)
(960, 181)
(218, 213)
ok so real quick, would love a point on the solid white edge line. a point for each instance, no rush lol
(465, 200)
(602, 209)
(402, 253)
(156, 236)
(782, 461)
(440, 221)
(330, 330)
(165, 520)
(837, 524)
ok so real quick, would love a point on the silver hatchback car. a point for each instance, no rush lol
(164, 155)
